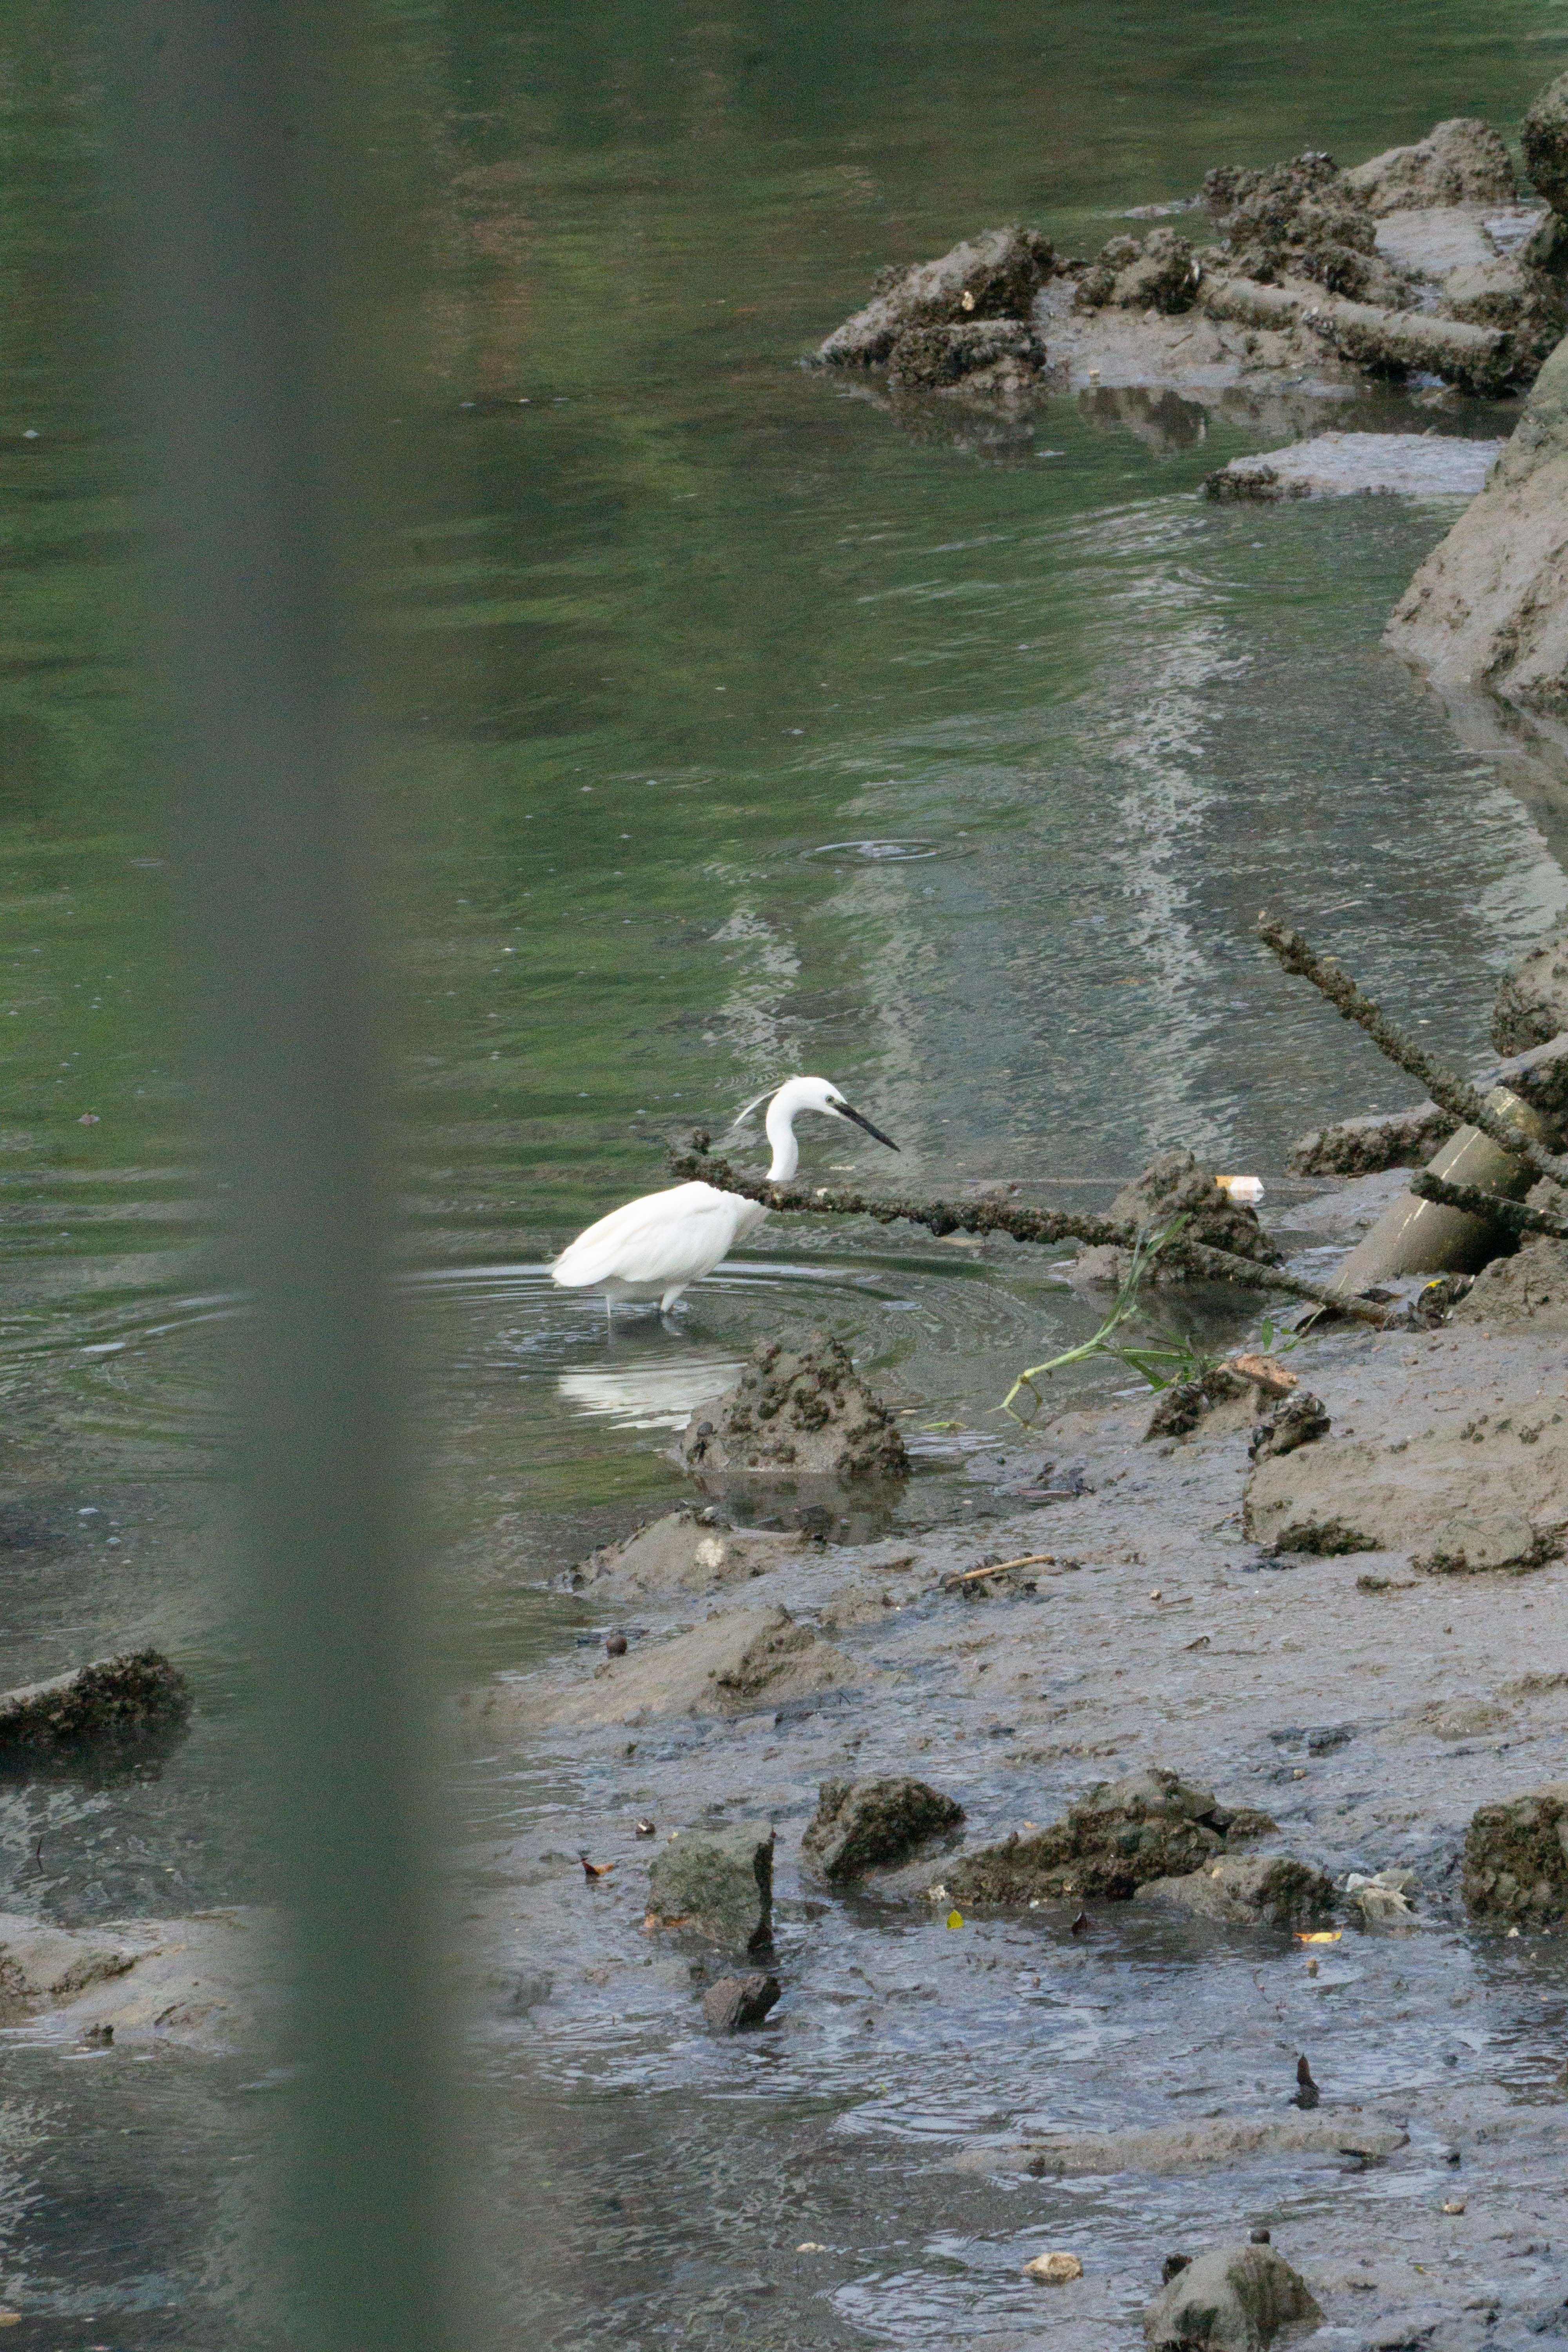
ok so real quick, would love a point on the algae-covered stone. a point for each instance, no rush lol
(859, 1825)
(1249, 1890)
(807, 1413)
(1233, 2299)
(1299, 1420)
(1156, 272)
(1121, 1834)
(114, 1699)
(719, 1882)
(1516, 1859)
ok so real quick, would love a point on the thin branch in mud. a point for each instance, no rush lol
(1512, 1215)
(1450, 1093)
(1043, 1226)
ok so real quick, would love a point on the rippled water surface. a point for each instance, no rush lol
(745, 729)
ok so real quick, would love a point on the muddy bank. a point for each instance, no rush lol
(1304, 285)
(1352, 1710)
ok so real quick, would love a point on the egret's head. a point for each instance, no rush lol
(818, 1094)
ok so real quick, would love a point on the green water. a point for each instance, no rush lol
(679, 627)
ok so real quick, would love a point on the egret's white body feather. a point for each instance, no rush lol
(656, 1248)
(653, 1248)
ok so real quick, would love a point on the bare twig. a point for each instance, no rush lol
(1513, 1214)
(968, 1576)
(1039, 1225)
(1451, 1093)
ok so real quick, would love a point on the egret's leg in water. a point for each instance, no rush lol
(667, 1301)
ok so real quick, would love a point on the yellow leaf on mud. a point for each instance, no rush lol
(1322, 1936)
(955, 1918)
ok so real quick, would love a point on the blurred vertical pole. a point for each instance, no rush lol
(262, 257)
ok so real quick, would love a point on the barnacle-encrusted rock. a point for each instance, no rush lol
(809, 1414)
(1516, 1859)
(1115, 1839)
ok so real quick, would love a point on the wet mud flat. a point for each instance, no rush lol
(944, 2090)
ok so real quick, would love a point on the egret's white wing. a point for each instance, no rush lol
(664, 1238)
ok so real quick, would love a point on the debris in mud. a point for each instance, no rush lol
(1296, 1421)
(994, 275)
(686, 1552)
(1273, 1890)
(740, 1660)
(1384, 1898)
(1234, 2299)
(1243, 1381)
(1115, 1839)
(1343, 465)
(860, 1824)
(1306, 2092)
(807, 1413)
(719, 1882)
(114, 1699)
(733, 2003)
(1516, 1859)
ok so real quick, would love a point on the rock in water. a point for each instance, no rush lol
(995, 276)
(1234, 2299)
(719, 1882)
(861, 1824)
(114, 1699)
(1516, 1868)
(1543, 137)
(1462, 162)
(1174, 1185)
(734, 2002)
(809, 1416)
(1122, 1834)
(930, 358)
(1249, 1890)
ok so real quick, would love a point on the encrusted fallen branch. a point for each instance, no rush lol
(1451, 1093)
(1512, 1215)
(1038, 1226)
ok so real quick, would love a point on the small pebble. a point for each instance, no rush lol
(1453, 2205)
(646, 1829)
(1260, 2238)
(616, 1644)
(810, 2246)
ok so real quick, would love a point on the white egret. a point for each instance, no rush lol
(657, 1247)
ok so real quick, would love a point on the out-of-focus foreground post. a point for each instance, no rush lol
(261, 255)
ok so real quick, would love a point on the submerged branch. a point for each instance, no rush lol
(1512, 1214)
(1452, 1094)
(1038, 1226)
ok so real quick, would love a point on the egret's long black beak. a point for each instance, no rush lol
(844, 1112)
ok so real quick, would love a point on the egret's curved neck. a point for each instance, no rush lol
(780, 1124)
